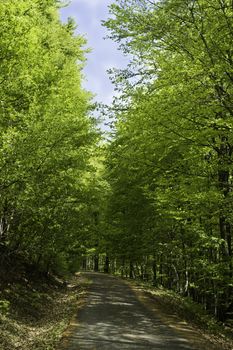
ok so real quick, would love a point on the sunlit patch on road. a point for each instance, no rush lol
(115, 316)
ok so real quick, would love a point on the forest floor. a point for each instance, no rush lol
(35, 310)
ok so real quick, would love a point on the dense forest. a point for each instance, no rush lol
(154, 201)
(47, 173)
(169, 165)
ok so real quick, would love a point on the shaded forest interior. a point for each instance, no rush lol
(154, 201)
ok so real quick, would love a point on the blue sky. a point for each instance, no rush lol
(88, 15)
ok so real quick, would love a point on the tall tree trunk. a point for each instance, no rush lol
(106, 265)
(161, 269)
(4, 225)
(131, 270)
(154, 270)
(96, 263)
(225, 228)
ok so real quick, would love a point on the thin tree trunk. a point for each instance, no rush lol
(96, 263)
(106, 265)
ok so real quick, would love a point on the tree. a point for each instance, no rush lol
(173, 134)
(47, 133)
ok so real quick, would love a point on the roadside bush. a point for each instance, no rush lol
(4, 307)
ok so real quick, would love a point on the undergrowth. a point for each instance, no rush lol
(191, 312)
(35, 308)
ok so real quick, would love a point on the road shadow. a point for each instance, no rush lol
(114, 318)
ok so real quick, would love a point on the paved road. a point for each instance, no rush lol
(114, 318)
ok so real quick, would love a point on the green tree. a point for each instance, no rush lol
(47, 133)
(173, 143)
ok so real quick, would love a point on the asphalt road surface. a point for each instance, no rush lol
(114, 317)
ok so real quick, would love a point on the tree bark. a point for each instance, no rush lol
(106, 266)
(96, 263)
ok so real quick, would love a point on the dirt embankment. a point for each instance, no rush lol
(34, 308)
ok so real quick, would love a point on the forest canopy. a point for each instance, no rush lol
(154, 201)
(47, 134)
(170, 161)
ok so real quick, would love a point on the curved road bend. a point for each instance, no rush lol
(114, 318)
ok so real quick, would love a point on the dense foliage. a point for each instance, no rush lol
(170, 211)
(162, 209)
(47, 137)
